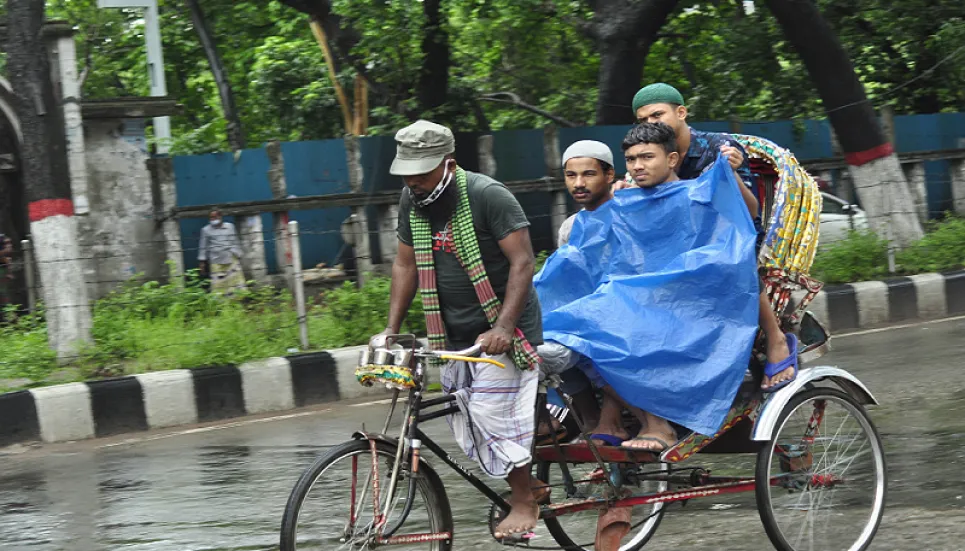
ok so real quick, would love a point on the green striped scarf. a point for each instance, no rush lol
(467, 252)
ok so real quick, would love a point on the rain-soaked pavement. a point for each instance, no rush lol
(225, 489)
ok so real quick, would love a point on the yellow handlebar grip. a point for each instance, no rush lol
(472, 359)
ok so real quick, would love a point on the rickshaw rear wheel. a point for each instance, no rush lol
(821, 480)
(581, 526)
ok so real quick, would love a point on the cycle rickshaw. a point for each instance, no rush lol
(819, 477)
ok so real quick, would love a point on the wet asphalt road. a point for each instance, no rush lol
(225, 489)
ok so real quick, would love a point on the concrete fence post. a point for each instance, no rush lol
(162, 169)
(552, 157)
(299, 284)
(957, 169)
(279, 220)
(363, 248)
(915, 174)
(487, 161)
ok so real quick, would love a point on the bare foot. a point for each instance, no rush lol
(651, 442)
(658, 436)
(541, 490)
(777, 352)
(521, 519)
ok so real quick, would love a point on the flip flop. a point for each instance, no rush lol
(772, 369)
(656, 439)
(607, 439)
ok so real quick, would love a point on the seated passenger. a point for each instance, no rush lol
(588, 168)
(589, 173)
(699, 150)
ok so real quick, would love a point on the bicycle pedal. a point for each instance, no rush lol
(518, 539)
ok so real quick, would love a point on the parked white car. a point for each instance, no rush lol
(838, 217)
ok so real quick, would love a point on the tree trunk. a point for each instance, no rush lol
(624, 31)
(434, 76)
(236, 135)
(879, 181)
(47, 179)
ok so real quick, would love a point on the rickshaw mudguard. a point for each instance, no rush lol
(772, 408)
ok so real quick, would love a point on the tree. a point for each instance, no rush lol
(879, 180)
(47, 178)
(624, 31)
(434, 76)
(236, 135)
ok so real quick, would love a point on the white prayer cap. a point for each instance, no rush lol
(589, 148)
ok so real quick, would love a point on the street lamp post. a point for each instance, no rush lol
(155, 60)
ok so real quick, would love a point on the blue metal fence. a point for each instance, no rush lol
(319, 168)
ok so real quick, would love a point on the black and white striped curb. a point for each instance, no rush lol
(77, 411)
(870, 304)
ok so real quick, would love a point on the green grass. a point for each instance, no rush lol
(153, 327)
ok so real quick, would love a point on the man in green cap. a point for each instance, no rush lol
(464, 244)
(698, 151)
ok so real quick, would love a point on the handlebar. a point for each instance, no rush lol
(470, 354)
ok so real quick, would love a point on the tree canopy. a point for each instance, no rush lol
(497, 64)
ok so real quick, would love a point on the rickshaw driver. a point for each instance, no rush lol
(698, 151)
(464, 244)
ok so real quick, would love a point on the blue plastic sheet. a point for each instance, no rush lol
(659, 288)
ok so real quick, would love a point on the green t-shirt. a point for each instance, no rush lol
(496, 213)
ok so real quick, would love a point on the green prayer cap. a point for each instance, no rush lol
(657, 93)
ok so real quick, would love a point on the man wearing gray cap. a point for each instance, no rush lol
(464, 244)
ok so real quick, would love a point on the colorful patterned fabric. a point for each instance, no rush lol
(392, 376)
(467, 252)
(792, 233)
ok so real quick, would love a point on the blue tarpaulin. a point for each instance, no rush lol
(659, 288)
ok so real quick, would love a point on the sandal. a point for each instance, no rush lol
(607, 439)
(771, 369)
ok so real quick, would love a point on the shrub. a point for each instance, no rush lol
(861, 256)
(942, 248)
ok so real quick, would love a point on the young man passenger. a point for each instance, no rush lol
(697, 152)
(588, 168)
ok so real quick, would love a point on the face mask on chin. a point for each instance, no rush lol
(216, 222)
(439, 189)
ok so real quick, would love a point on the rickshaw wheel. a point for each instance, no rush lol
(821, 480)
(581, 527)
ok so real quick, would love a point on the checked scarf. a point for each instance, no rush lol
(467, 252)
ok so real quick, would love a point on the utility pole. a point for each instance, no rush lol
(155, 61)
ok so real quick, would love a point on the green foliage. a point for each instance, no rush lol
(942, 248)
(541, 260)
(23, 347)
(728, 61)
(864, 256)
(349, 315)
(152, 326)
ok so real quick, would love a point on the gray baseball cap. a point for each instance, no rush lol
(589, 148)
(421, 147)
